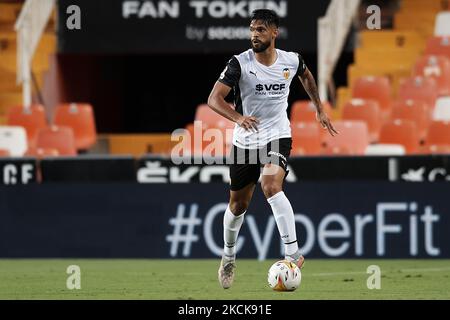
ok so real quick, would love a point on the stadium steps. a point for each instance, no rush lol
(10, 93)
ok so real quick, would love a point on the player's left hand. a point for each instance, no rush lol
(326, 123)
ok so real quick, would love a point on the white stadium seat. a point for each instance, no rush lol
(13, 139)
(442, 109)
(385, 150)
(442, 25)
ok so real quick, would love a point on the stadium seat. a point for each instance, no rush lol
(403, 132)
(367, 111)
(374, 88)
(4, 153)
(438, 46)
(306, 138)
(419, 88)
(59, 138)
(442, 25)
(442, 109)
(415, 110)
(438, 133)
(436, 67)
(32, 120)
(305, 111)
(210, 118)
(79, 117)
(353, 138)
(13, 139)
(385, 150)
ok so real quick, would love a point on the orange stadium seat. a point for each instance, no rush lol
(438, 133)
(306, 138)
(305, 111)
(4, 153)
(374, 88)
(414, 110)
(403, 132)
(210, 118)
(438, 46)
(31, 120)
(59, 138)
(436, 67)
(352, 139)
(419, 88)
(367, 111)
(79, 117)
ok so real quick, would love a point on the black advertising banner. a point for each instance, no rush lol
(334, 220)
(301, 169)
(183, 26)
(18, 171)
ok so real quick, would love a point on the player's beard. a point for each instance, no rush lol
(262, 46)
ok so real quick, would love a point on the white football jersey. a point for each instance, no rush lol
(262, 91)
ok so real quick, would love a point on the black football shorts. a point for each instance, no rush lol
(245, 167)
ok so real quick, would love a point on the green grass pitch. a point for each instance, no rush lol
(197, 279)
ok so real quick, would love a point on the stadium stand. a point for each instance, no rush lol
(401, 73)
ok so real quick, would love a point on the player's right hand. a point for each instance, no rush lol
(248, 123)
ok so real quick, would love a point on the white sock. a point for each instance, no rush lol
(231, 226)
(284, 217)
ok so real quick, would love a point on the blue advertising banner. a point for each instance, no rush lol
(334, 220)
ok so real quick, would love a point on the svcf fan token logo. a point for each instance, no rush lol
(286, 73)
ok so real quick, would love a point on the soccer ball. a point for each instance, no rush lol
(284, 276)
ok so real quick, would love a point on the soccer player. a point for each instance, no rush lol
(260, 78)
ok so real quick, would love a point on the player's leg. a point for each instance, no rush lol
(232, 222)
(234, 217)
(243, 180)
(273, 176)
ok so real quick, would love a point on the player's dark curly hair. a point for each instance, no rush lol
(269, 17)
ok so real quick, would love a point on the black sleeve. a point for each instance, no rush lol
(301, 65)
(231, 74)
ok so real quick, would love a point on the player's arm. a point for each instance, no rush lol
(216, 101)
(309, 83)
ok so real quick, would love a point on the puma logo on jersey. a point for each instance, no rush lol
(253, 73)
